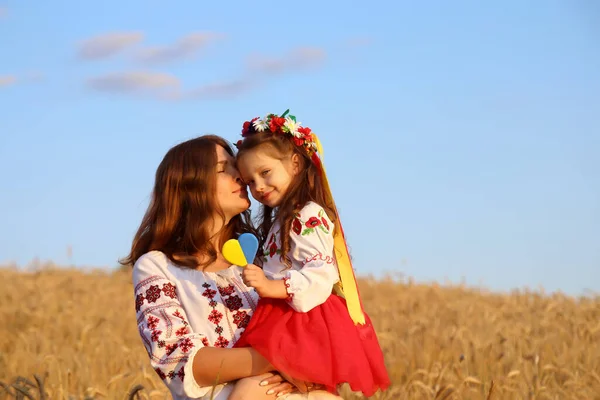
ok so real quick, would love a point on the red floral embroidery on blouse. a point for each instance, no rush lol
(297, 226)
(221, 342)
(186, 344)
(241, 319)
(325, 223)
(152, 322)
(153, 294)
(226, 291)
(286, 281)
(169, 290)
(313, 222)
(170, 348)
(139, 302)
(155, 335)
(234, 303)
(215, 317)
(272, 249)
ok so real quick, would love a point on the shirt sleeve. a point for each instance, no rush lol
(312, 247)
(164, 329)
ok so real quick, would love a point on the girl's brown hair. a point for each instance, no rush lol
(306, 186)
(178, 219)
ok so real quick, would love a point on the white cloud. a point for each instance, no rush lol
(107, 45)
(7, 80)
(297, 59)
(184, 48)
(226, 89)
(153, 84)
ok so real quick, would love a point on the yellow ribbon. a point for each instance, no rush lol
(347, 286)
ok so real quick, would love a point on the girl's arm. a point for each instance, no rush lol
(312, 247)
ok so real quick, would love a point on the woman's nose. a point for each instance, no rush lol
(236, 175)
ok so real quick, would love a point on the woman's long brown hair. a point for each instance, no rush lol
(306, 186)
(179, 217)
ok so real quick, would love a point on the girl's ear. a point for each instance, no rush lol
(295, 163)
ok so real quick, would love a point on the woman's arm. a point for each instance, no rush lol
(181, 357)
(214, 365)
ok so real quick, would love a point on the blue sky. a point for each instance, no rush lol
(461, 138)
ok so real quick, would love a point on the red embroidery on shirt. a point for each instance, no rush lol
(155, 315)
(286, 281)
(153, 294)
(320, 257)
(181, 331)
(169, 290)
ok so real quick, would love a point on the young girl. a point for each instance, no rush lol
(309, 322)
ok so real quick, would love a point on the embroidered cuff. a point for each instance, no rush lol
(286, 281)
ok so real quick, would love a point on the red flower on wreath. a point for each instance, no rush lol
(248, 127)
(306, 132)
(276, 123)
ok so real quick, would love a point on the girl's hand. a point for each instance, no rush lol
(254, 276)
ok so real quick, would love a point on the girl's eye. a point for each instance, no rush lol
(265, 172)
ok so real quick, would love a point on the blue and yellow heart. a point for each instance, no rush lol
(241, 251)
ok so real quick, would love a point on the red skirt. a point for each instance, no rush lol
(322, 346)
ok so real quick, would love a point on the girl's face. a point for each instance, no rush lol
(268, 178)
(232, 195)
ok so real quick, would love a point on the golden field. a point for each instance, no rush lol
(76, 332)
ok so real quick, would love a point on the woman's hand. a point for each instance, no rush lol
(276, 384)
(301, 386)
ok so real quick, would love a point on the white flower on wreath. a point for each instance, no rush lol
(292, 127)
(261, 125)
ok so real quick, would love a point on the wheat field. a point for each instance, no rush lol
(70, 334)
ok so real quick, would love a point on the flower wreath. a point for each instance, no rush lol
(285, 124)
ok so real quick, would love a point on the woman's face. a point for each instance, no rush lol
(232, 195)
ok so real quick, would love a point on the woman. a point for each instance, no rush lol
(191, 304)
